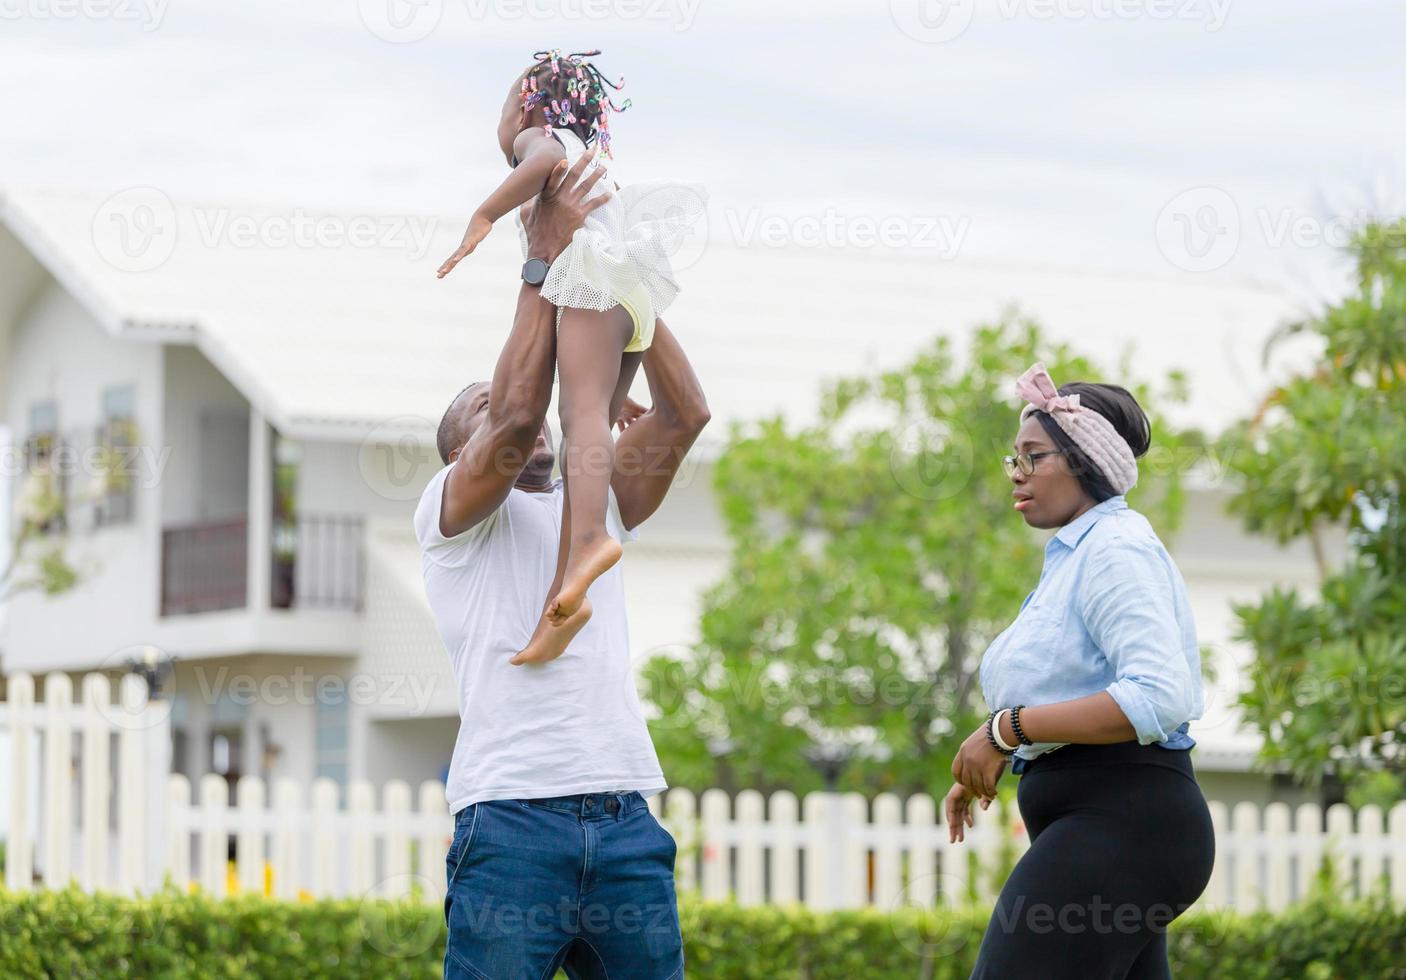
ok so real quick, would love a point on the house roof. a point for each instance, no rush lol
(355, 338)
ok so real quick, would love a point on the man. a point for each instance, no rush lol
(556, 860)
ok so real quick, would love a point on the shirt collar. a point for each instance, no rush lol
(1072, 533)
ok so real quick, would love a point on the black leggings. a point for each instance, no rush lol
(1121, 843)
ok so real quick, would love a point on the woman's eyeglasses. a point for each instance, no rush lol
(1025, 462)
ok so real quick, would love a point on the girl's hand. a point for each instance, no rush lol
(629, 412)
(978, 765)
(478, 230)
(959, 812)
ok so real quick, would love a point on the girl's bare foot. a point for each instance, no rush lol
(548, 641)
(598, 557)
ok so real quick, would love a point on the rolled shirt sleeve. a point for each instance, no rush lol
(1127, 603)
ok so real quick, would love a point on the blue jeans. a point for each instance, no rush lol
(582, 883)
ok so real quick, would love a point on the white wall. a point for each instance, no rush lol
(275, 695)
(58, 352)
(331, 481)
(206, 427)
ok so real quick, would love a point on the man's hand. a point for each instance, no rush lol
(978, 765)
(497, 450)
(561, 208)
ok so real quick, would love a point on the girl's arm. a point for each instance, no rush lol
(537, 154)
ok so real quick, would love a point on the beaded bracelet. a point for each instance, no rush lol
(1015, 725)
(992, 738)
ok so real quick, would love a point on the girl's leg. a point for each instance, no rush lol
(589, 346)
(550, 640)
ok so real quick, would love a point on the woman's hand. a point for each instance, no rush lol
(978, 765)
(959, 811)
(561, 208)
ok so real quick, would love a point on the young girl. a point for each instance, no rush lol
(608, 286)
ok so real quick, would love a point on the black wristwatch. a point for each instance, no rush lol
(534, 271)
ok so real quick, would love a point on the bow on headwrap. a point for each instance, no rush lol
(1089, 430)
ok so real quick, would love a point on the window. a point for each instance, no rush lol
(117, 437)
(333, 731)
(43, 497)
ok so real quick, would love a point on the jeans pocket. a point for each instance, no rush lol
(662, 833)
(465, 825)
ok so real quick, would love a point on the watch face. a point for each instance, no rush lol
(534, 271)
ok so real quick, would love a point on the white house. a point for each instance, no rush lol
(283, 371)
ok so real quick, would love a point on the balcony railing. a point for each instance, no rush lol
(317, 562)
(204, 567)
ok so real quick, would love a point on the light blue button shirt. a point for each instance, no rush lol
(1110, 614)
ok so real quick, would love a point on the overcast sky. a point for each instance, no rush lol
(1219, 137)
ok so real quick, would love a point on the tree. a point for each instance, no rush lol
(875, 555)
(1327, 688)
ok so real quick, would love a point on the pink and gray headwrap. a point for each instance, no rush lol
(1089, 430)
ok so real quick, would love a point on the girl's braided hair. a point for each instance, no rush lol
(573, 94)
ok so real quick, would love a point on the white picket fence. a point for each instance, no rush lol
(105, 841)
(846, 851)
(825, 850)
(296, 846)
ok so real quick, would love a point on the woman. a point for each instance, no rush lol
(1093, 685)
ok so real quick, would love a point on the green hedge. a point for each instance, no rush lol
(70, 934)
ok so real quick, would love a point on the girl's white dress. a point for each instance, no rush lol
(620, 256)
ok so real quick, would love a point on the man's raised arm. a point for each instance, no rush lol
(516, 400)
(651, 450)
